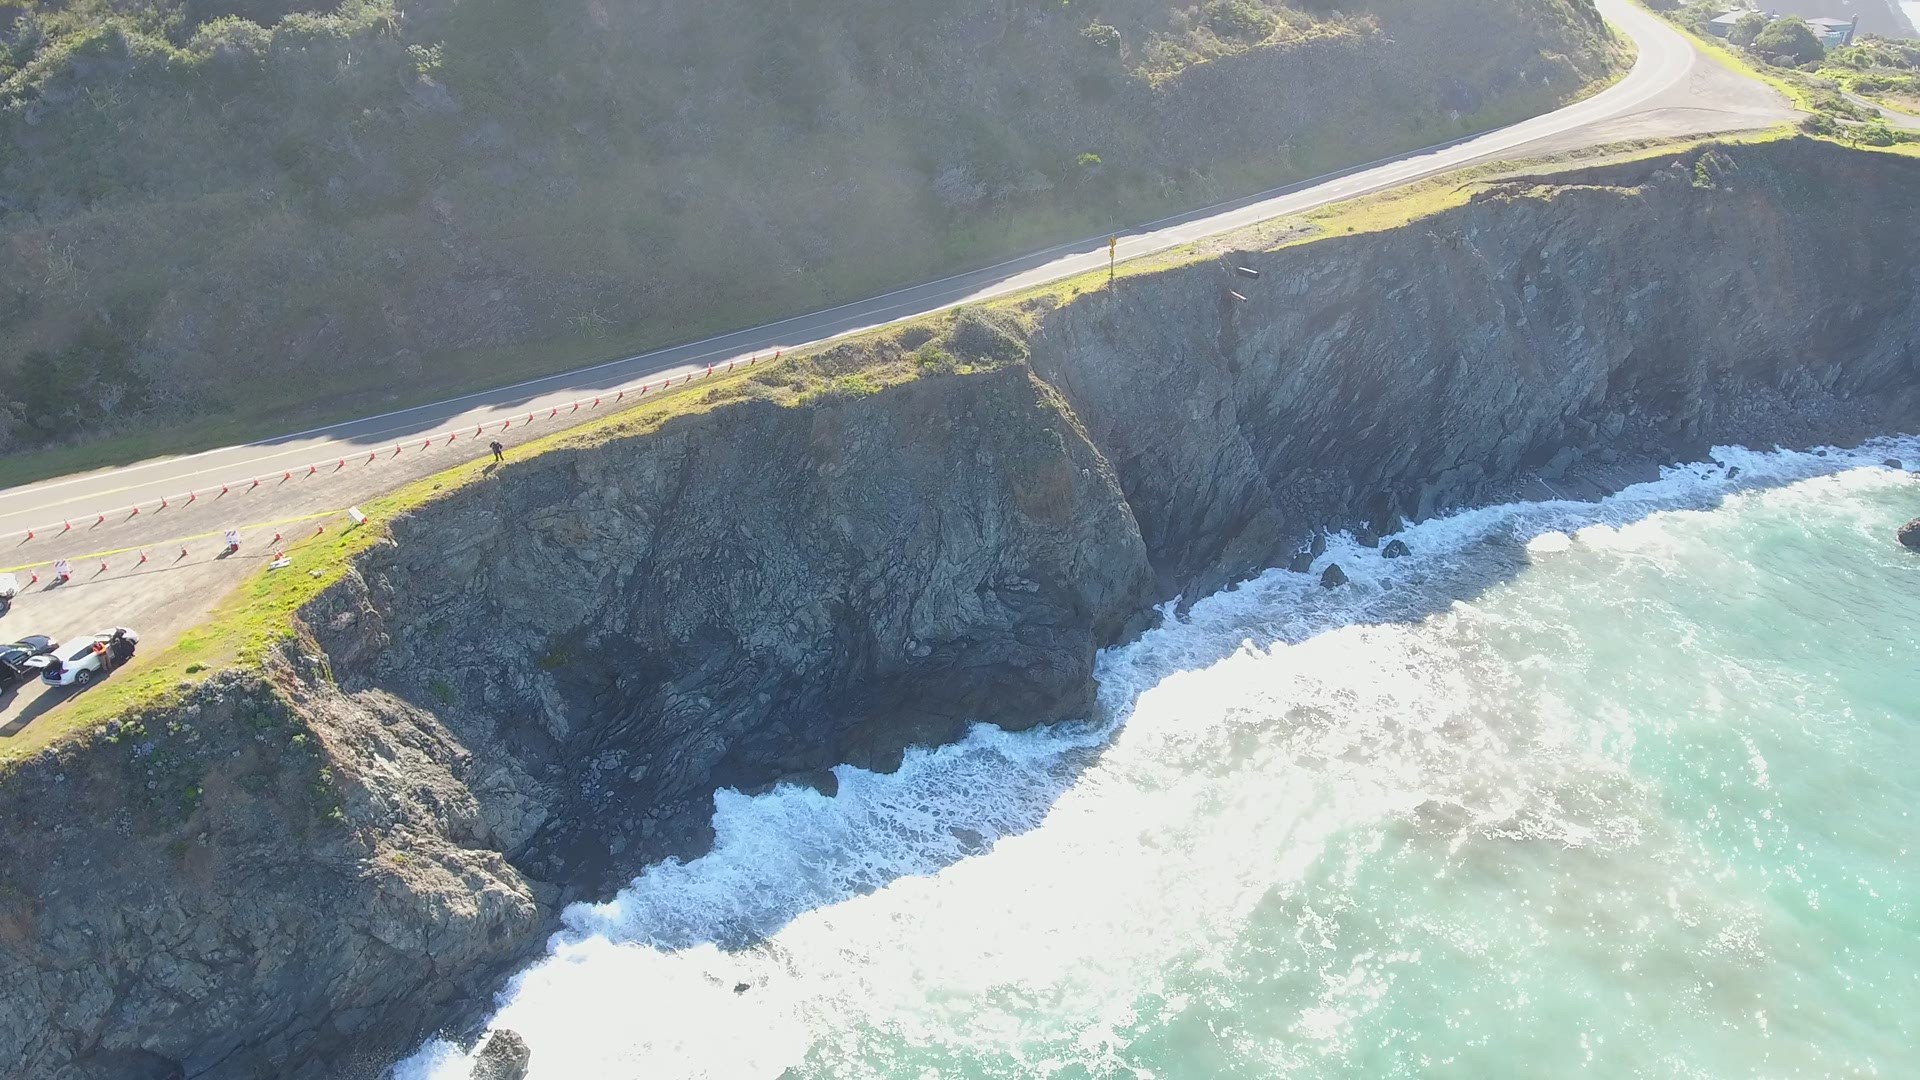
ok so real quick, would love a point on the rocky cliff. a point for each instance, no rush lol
(534, 685)
(1554, 328)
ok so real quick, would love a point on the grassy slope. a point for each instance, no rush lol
(286, 277)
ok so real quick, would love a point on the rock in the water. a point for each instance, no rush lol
(1301, 563)
(1333, 578)
(1319, 545)
(1910, 534)
(1366, 538)
(505, 1057)
(1396, 549)
(741, 988)
(1895, 464)
(1733, 471)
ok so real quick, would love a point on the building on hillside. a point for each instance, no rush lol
(1835, 33)
(1888, 18)
(1722, 25)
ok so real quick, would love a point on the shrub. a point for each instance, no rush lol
(1789, 40)
(933, 358)
(1748, 28)
(1240, 19)
(991, 335)
(1876, 134)
(1102, 35)
(1819, 124)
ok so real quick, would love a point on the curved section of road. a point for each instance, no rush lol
(1893, 117)
(1663, 91)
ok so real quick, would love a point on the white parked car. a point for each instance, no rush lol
(82, 662)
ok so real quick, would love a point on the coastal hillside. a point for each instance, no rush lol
(268, 211)
(528, 682)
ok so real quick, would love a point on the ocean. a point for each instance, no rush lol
(1622, 789)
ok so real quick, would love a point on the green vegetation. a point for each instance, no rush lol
(1788, 41)
(252, 215)
(1886, 72)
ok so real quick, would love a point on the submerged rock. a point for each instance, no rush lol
(1302, 562)
(1910, 535)
(1895, 464)
(1366, 538)
(1396, 549)
(504, 1057)
(1333, 578)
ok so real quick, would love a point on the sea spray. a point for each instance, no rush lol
(1212, 875)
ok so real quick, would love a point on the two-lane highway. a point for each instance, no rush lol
(1663, 93)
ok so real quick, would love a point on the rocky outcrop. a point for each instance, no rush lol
(534, 687)
(746, 596)
(505, 1056)
(248, 884)
(1909, 535)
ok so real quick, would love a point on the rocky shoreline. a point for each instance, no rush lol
(533, 689)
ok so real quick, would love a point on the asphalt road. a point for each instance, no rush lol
(1893, 117)
(161, 569)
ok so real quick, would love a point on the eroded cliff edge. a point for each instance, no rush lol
(535, 686)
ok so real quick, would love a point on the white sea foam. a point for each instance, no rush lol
(972, 902)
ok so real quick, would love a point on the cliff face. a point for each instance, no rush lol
(1554, 330)
(535, 686)
(545, 678)
(246, 886)
(753, 594)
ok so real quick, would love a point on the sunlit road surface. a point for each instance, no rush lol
(1666, 68)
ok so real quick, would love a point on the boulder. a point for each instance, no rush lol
(1910, 535)
(1366, 537)
(1895, 464)
(1333, 578)
(1319, 545)
(1396, 549)
(1302, 562)
(504, 1057)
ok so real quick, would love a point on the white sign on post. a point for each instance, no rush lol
(62, 569)
(233, 538)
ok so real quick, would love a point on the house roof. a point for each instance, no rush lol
(1731, 17)
(1837, 24)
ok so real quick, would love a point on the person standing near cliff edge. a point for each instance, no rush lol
(499, 452)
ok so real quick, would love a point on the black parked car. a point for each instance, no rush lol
(14, 657)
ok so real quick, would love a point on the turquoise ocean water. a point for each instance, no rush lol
(1621, 790)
